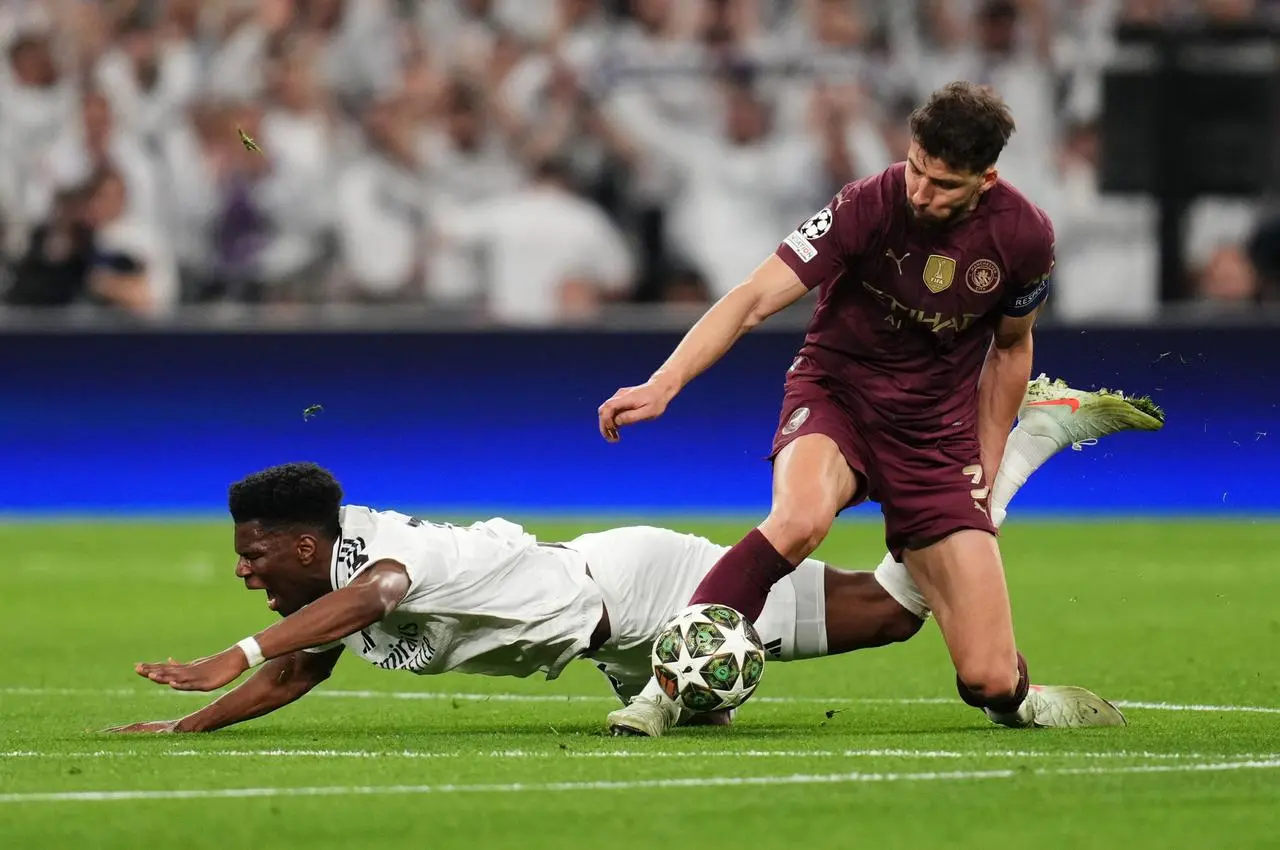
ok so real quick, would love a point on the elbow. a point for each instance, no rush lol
(756, 309)
(382, 594)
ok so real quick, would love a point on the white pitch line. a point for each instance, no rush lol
(629, 785)
(576, 698)
(641, 754)
(1166, 706)
(550, 698)
(338, 754)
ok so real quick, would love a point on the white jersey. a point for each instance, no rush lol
(490, 599)
(487, 598)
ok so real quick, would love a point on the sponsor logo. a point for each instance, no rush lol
(897, 260)
(936, 321)
(803, 248)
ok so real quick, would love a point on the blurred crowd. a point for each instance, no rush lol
(536, 159)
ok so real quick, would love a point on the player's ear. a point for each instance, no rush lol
(306, 548)
(989, 178)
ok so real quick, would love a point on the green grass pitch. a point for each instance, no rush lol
(1177, 621)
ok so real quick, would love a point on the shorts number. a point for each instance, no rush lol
(974, 473)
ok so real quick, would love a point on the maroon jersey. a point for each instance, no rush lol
(906, 313)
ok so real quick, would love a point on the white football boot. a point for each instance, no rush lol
(1060, 707)
(649, 714)
(1080, 417)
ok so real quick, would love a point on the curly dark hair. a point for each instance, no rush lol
(288, 496)
(963, 124)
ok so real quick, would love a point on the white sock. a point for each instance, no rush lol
(654, 691)
(1015, 719)
(1024, 453)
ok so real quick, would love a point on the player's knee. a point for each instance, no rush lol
(796, 530)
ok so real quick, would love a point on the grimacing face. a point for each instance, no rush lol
(290, 565)
(938, 195)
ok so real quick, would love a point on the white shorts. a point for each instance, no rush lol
(647, 575)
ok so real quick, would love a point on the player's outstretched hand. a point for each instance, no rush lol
(633, 404)
(160, 727)
(203, 674)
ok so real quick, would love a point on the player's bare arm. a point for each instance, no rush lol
(773, 286)
(277, 683)
(369, 598)
(1002, 387)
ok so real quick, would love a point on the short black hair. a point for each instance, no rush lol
(289, 495)
(963, 124)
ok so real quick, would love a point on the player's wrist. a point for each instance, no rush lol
(668, 383)
(190, 723)
(251, 652)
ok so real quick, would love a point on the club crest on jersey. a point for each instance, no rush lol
(983, 276)
(817, 227)
(797, 419)
(939, 271)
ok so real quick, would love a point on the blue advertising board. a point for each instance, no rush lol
(162, 422)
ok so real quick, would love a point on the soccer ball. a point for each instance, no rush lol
(708, 658)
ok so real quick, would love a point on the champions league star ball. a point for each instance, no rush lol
(708, 658)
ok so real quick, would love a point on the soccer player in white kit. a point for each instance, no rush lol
(407, 594)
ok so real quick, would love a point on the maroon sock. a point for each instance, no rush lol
(743, 576)
(1003, 706)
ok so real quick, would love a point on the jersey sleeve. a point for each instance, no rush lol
(425, 557)
(1033, 270)
(818, 250)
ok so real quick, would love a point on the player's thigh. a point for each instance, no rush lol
(929, 489)
(812, 483)
(819, 457)
(819, 466)
(812, 471)
(962, 579)
(935, 505)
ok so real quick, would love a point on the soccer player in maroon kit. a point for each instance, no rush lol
(929, 276)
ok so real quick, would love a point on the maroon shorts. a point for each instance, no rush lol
(926, 489)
